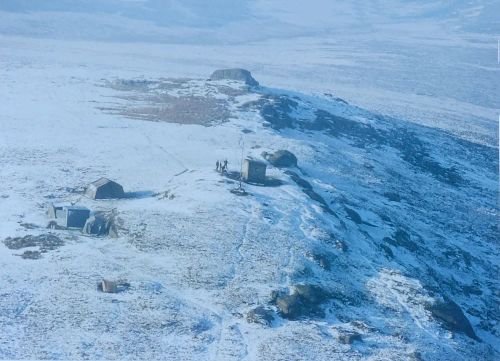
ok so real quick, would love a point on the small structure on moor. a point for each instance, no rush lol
(253, 171)
(101, 224)
(104, 189)
(108, 286)
(68, 216)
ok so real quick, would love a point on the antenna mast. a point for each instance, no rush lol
(242, 145)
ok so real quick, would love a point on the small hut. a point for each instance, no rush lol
(104, 189)
(55, 210)
(108, 286)
(69, 216)
(254, 171)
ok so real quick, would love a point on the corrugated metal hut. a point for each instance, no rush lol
(104, 189)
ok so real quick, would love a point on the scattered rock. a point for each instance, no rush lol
(290, 306)
(165, 195)
(28, 225)
(387, 250)
(473, 289)
(261, 316)
(130, 84)
(277, 110)
(361, 325)
(234, 74)
(313, 293)
(303, 302)
(340, 245)
(353, 215)
(451, 317)
(323, 260)
(201, 326)
(281, 158)
(46, 242)
(275, 294)
(239, 192)
(392, 196)
(54, 225)
(402, 239)
(347, 338)
(474, 312)
(416, 356)
(31, 255)
(307, 188)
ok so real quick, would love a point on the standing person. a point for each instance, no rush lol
(217, 164)
(225, 165)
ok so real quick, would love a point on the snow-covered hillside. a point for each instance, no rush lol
(382, 244)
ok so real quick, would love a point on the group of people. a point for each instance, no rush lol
(221, 166)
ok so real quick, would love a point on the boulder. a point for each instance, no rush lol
(348, 338)
(275, 295)
(101, 224)
(261, 316)
(303, 302)
(451, 317)
(311, 293)
(291, 306)
(281, 158)
(323, 260)
(234, 74)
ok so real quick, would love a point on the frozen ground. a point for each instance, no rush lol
(419, 157)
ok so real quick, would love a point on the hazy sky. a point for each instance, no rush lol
(298, 14)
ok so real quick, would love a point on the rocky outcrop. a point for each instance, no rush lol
(261, 316)
(348, 338)
(45, 242)
(401, 238)
(235, 74)
(304, 301)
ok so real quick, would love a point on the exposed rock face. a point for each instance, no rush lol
(260, 315)
(401, 238)
(349, 337)
(281, 158)
(277, 111)
(307, 188)
(235, 74)
(323, 260)
(451, 316)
